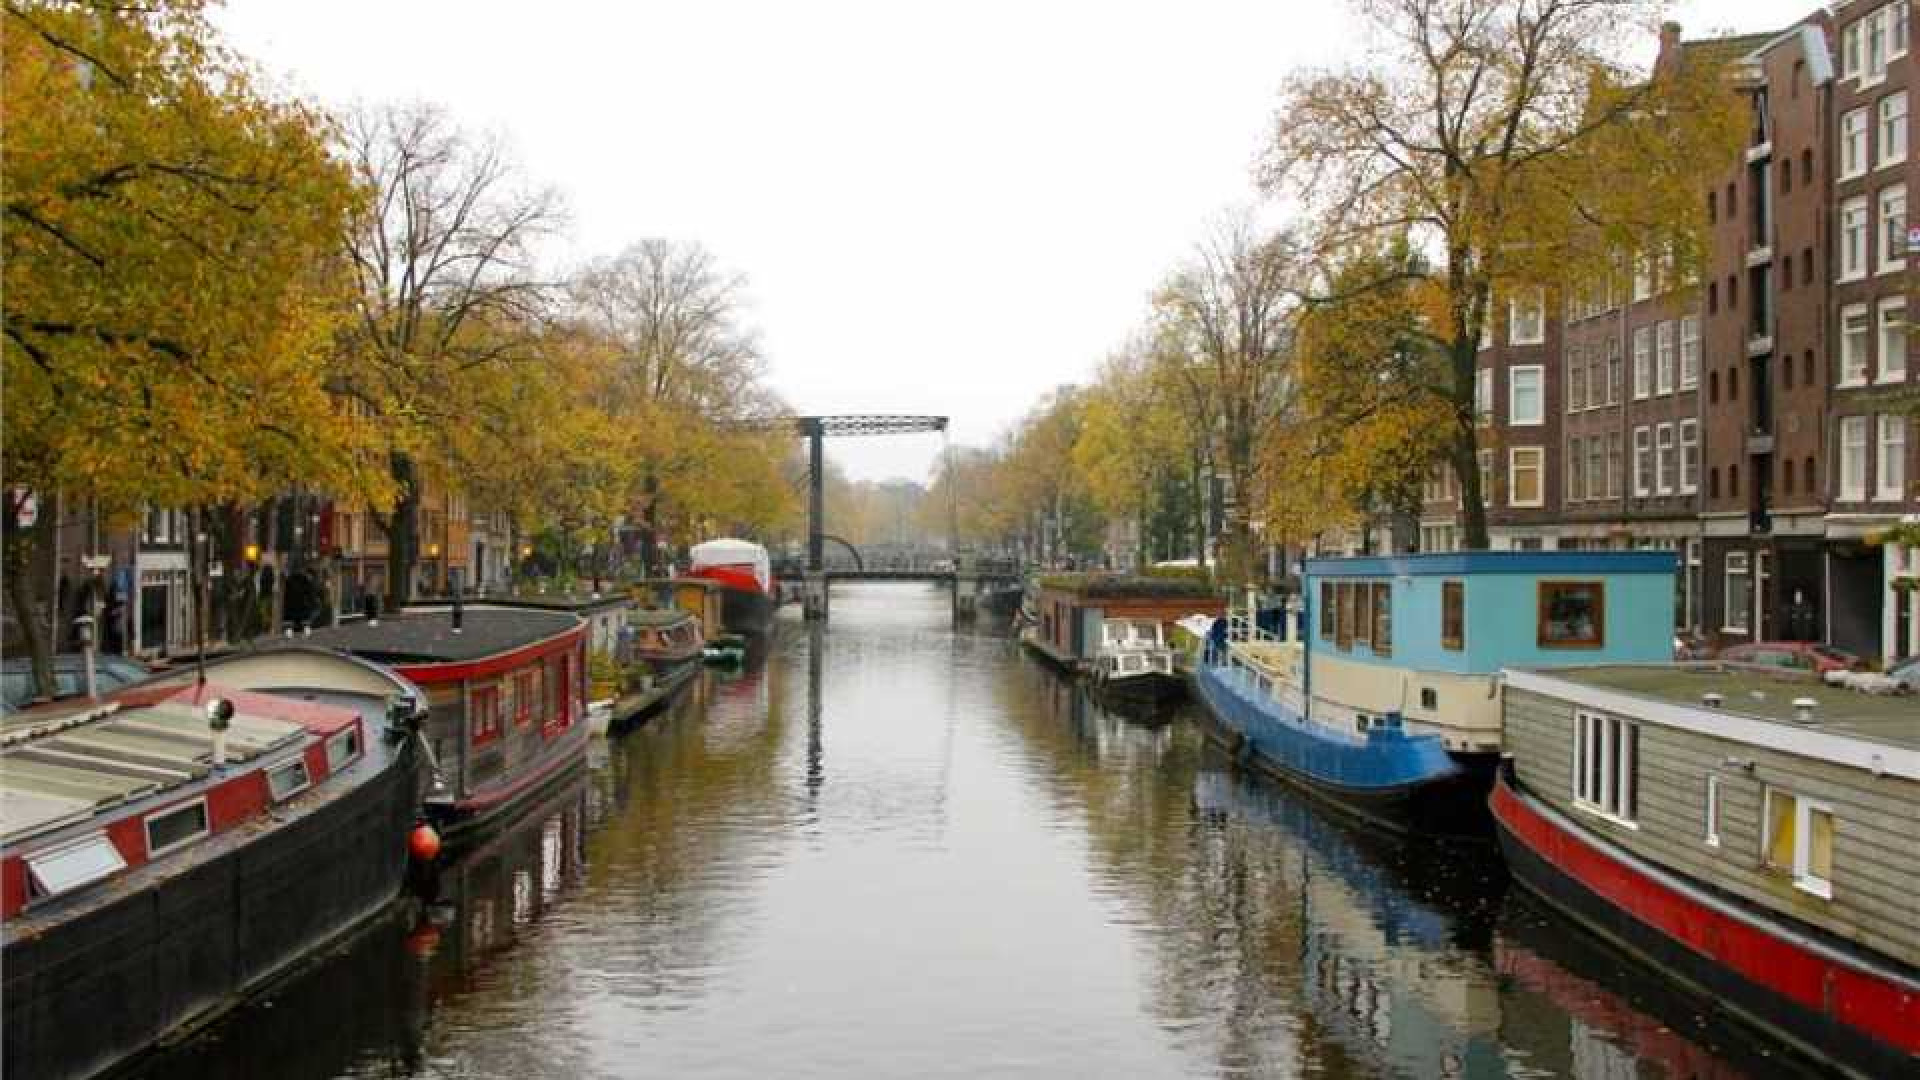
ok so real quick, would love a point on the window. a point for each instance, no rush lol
(1605, 769)
(179, 826)
(1893, 228)
(1525, 406)
(1615, 371)
(1663, 369)
(1576, 469)
(1713, 207)
(1853, 458)
(1573, 614)
(1853, 144)
(1643, 265)
(70, 866)
(1853, 239)
(1891, 474)
(1876, 24)
(1690, 352)
(1597, 467)
(1739, 594)
(1853, 345)
(1799, 841)
(1453, 615)
(483, 726)
(1893, 128)
(1483, 395)
(1689, 456)
(1524, 480)
(1527, 318)
(1361, 597)
(1713, 811)
(1383, 618)
(1343, 629)
(342, 749)
(1642, 462)
(1850, 52)
(1666, 464)
(1897, 29)
(524, 697)
(1576, 379)
(1893, 340)
(1642, 361)
(286, 781)
(1326, 610)
(1486, 475)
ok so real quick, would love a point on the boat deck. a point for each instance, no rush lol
(1892, 719)
(1279, 658)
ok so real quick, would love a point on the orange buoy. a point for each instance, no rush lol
(424, 843)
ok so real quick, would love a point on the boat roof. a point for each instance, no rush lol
(658, 616)
(1095, 586)
(585, 603)
(60, 768)
(427, 636)
(1467, 563)
(1759, 694)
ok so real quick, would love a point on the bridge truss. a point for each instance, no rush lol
(816, 430)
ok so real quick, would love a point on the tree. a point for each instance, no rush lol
(1373, 400)
(446, 295)
(1505, 139)
(689, 379)
(169, 274)
(1130, 443)
(1224, 335)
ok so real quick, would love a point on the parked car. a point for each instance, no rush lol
(110, 673)
(1906, 673)
(1808, 656)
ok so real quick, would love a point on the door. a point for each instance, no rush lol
(1763, 628)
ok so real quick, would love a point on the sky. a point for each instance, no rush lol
(944, 208)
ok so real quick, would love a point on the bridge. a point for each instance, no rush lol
(968, 575)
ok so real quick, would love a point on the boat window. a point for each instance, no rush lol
(1453, 615)
(170, 829)
(1429, 698)
(70, 866)
(483, 714)
(1799, 841)
(1606, 763)
(342, 749)
(1362, 612)
(1343, 601)
(1383, 618)
(287, 780)
(1572, 615)
(1326, 609)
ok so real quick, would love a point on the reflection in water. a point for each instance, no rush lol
(890, 848)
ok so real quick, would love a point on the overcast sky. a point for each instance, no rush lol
(941, 207)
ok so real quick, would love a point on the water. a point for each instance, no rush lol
(899, 850)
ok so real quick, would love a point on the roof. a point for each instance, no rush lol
(427, 637)
(63, 769)
(1464, 563)
(1763, 695)
(1118, 587)
(1728, 49)
(658, 617)
(584, 603)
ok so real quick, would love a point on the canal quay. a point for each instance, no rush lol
(894, 846)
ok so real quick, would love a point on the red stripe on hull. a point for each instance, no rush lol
(1881, 1006)
(733, 577)
(495, 664)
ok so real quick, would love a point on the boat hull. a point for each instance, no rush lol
(748, 612)
(1407, 783)
(1860, 1013)
(176, 950)
(1146, 688)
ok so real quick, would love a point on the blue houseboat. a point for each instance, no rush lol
(1383, 691)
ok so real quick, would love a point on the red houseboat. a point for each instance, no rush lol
(1748, 833)
(178, 846)
(745, 575)
(508, 692)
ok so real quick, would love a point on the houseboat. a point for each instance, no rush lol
(1381, 691)
(1114, 629)
(660, 651)
(508, 692)
(1744, 831)
(745, 575)
(178, 846)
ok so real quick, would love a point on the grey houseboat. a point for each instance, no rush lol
(1749, 833)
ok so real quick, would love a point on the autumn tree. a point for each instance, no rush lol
(1223, 335)
(448, 297)
(169, 272)
(1130, 446)
(1373, 400)
(1513, 147)
(689, 378)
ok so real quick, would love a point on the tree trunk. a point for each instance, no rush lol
(20, 545)
(1200, 511)
(403, 532)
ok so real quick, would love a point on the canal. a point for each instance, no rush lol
(897, 849)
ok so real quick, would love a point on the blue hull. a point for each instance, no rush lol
(1390, 777)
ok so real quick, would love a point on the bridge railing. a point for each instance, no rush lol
(931, 565)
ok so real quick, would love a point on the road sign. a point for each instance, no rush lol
(29, 508)
(96, 563)
(1913, 238)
